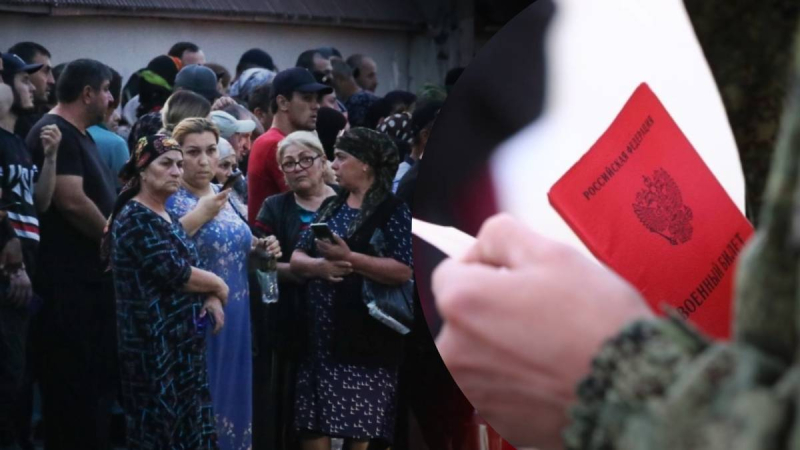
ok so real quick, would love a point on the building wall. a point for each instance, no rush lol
(127, 44)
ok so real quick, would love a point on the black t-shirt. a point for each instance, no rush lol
(64, 250)
(17, 177)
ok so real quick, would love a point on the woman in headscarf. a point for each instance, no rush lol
(347, 380)
(164, 302)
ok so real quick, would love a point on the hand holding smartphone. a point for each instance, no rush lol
(322, 232)
(232, 180)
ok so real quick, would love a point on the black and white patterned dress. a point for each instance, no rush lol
(341, 399)
(162, 350)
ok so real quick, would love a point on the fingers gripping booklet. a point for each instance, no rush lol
(646, 205)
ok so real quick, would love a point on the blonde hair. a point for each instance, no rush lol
(194, 125)
(183, 105)
(308, 140)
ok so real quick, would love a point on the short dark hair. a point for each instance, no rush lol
(115, 86)
(328, 52)
(28, 50)
(180, 48)
(260, 98)
(397, 98)
(306, 59)
(273, 105)
(77, 75)
(354, 61)
(378, 110)
(341, 69)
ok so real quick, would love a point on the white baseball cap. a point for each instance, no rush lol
(229, 125)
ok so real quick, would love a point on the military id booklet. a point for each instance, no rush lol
(646, 205)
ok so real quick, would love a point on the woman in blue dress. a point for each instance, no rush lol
(224, 242)
(163, 301)
(347, 380)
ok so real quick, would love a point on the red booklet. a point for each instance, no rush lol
(646, 205)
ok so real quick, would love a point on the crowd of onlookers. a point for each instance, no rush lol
(145, 223)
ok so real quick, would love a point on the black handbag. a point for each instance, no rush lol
(392, 306)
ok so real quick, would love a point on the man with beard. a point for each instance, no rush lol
(295, 102)
(78, 342)
(42, 79)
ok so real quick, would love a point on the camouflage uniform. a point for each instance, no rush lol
(660, 385)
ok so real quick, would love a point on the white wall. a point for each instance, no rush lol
(127, 44)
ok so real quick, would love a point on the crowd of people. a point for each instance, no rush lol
(137, 218)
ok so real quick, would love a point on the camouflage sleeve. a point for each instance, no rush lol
(660, 385)
(636, 366)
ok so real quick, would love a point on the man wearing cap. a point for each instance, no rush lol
(233, 130)
(198, 79)
(42, 79)
(25, 192)
(295, 102)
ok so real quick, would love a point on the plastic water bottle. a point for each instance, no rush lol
(267, 273)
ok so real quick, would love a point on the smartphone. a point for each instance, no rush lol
(322, 232)
(9, 205)
(233, 179)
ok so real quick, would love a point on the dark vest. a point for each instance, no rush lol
(359, 338)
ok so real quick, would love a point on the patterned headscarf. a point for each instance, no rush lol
(379, 152)
(249, 80)
(148, 149)
(400, 128)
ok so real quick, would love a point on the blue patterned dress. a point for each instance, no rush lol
(224, 245)
(162, 352)
(341, 399)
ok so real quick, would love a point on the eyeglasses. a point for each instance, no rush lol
(304, 163)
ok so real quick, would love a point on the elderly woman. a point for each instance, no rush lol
(227, 166)
(163, 300)
(282, 329)
(346, 383)
(224, 242)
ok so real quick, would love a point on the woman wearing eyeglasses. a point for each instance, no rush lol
(282, 331)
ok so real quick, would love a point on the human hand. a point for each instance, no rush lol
(222, 102)
(20, 290)
(336, 251)
(213, 306)
(210, 205)
(524, 317)
(11, 255)
(270, 245)
(51, 138)
(222, 291)
(333, 271)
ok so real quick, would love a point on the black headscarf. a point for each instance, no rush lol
(379, 152)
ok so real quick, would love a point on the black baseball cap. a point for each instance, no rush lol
(13, 64)
(297, 79)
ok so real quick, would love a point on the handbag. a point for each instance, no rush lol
(392, 306)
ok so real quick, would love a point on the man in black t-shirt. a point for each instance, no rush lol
(79, 359)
